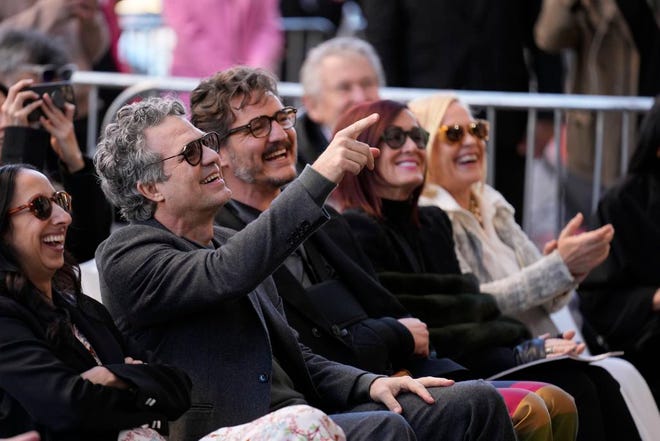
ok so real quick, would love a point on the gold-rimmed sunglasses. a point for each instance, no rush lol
(454, 133)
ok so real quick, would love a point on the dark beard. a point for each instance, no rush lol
(247, 175)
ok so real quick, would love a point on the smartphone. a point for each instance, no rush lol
(60, 92)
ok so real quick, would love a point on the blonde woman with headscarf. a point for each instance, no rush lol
(525, 283)
(488, 241)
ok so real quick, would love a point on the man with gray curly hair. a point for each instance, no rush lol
(202, 297)
(123, 158)
(335, 75)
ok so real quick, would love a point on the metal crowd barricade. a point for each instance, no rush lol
(141, 85)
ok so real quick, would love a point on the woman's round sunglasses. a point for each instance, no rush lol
(454, 133)
(395, 137)
(42, 206)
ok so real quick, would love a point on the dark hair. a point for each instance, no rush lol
(210, 101)
(358, 191)
(13, 282)
(28, 46)
(645, 158)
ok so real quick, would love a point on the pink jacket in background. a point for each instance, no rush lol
(216, 34)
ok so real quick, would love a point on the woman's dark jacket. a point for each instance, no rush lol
(418, 264)
(41, 387)
(617, 296)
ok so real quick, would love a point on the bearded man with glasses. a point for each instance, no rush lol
(329, 295)
(202, 297)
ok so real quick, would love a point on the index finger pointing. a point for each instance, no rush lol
(354, 130)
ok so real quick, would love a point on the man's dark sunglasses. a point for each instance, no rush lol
(395, 137)
(192, 152)
(454, 133)
(261, 126)
(42, 206)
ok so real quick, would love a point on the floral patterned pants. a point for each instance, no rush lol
(293, 423)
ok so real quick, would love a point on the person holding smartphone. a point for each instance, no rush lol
(48, 141)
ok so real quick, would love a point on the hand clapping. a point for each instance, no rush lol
(581, 252)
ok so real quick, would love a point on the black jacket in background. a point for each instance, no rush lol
(617, 297)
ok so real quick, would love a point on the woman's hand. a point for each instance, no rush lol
(563, 344)
(82, 9)
(62, 135)
(131, 360)
(582, 252)
(27, 436)
(14, 111)
(104, 377)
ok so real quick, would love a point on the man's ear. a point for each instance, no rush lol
(150, 191)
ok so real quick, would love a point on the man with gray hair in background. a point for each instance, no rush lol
(335, 75)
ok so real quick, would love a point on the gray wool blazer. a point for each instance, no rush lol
(216, 312)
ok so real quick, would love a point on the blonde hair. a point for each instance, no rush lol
(430, 111)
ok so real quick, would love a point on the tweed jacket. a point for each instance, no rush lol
(544, 283)
(41, 387)
(216, 313)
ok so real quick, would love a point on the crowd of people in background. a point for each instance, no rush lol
(335, 271)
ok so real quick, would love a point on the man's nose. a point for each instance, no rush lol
(209, 155)
(277, 132)
(358, 94)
